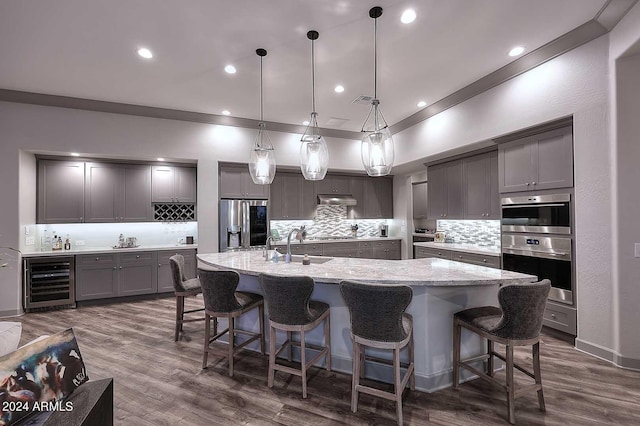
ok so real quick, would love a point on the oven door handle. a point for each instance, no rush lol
(519, 206)
(542, 254)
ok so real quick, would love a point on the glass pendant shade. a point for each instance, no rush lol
(262, 164)
(314, 154)
(377, 145)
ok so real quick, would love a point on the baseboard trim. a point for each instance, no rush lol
(608, 355)
(11, 313)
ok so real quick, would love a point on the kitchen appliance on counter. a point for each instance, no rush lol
(383, 230)
(243, 224)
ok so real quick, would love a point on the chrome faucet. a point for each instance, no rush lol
(270, 239)
(301, 235)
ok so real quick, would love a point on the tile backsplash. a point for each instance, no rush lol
(330, 221)
(479, 232)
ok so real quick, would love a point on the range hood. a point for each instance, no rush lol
(336, 200)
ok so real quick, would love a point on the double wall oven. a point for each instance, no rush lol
(537, 239)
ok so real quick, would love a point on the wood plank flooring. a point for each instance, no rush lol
(160, 382)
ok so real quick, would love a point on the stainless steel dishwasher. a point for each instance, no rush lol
(49, 282)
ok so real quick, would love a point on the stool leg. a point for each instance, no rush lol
(412, 380)
(457, 331)
(303, 364)
(327, 341)
(398, 383)
(272, 355)
(355, 377)
(215, 325)
(261, 314)
(231, 343)
(207, 333)
(490, 360)
(179, 316)
(363, 361)
(510, 390)
(289, 349)
(536, 372)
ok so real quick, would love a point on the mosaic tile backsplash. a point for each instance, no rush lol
(479, 232)
(330, 221)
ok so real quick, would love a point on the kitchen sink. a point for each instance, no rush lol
(297, 258)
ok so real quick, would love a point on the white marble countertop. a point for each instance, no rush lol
(337, 240)
(466, 248)
(102, 250)
(417, 272)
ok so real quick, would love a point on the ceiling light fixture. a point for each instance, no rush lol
(314, 154)
(408, 16)
(305, 123)
(160, 159)
(145, 53)
(262, 163)
(516, 51)
(74, 154)
(377, 144)
(226, 112)
(339, 89)
(230, 69)
(422, 104)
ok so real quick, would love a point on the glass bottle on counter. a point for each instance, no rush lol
(67, 243)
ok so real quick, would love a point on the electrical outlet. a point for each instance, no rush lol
(637, 249)
(27, 231)
(30, 241)
(79, 242)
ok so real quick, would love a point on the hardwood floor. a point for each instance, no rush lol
(158, 381)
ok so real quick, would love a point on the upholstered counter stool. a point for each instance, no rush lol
(378, 320)
(517, 322)
(183, 287)
(221, 300)
(291, 309)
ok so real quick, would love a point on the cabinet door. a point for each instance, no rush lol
(437, 196)
(419, 193)
(477, 183)
(291, 192)
(276, 197)
(163, 184)
(96, 276)
(378, 198)
(495, 209)
(356, 189)
(165, 276)
(185, 184)
(553, 159)
(254, 190)
(138, 273)
(365, 250)
(515, 167)
(454, 190)
(136, 194)
(334, 184)
(60, 191)
(103, 192)
(308, 199)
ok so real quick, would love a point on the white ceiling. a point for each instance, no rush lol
(87, 49)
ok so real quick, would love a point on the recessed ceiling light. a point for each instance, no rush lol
(339, 89)
(230, 69)
(422, 104)
(226, 112)
(408, 16)
(75, 154)
(160, 159)
(516, 51)
(305, 123)
(145, 53)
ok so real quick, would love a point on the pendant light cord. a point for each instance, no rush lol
(313, 79)
(261, 101)
(375, 58)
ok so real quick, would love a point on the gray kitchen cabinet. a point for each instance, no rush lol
(386, 250)
(542, 161)
(60, 192)
(476, 259)
(481, 198)
(236, 182)
(334, 184)
(428, 252)
(378, 198)
(292, 197)
(365, 249)
(312, 249)
(96, 276)
(117, 193)
(560, 317)
(173, 184)
(165, 276)
(445, 187)
(137, 273)
(349, 249)
(419, 193)
(356, 189)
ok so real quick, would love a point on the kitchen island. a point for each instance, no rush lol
(440, 288)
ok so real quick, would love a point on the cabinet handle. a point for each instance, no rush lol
(114, 268)
(527, 183)
(121, 267)
(138, 256)
(553, 316)
(159, 265)
(533, 183)
(484, 260)
(97, 258)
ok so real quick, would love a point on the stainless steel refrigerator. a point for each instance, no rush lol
(243, 224)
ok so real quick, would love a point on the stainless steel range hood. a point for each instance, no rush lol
(336, 200)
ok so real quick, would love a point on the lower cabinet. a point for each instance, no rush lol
(458, 256)
(96, 276)
(427, 252)
(389, 249)
(165, 277)
(386, 250)
(306, 248)
(560, 317)
(138, 273)
(340, 249)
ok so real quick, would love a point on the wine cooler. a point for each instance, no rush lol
(49, 282)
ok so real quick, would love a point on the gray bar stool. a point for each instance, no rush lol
(183, 287)
(291, 309)
(221, 300)
(517, 322)
(378, 320)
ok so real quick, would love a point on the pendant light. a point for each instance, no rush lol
(262, 164)
(377, 143)
(314, 155)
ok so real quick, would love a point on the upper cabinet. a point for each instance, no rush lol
(60, 191)
(419, 193)
(292, 197)
(236, 182)
(171, 184)
(117, 193)
(334, 184)
(542, 161)
(480, 195)
(374, 196)
(445, 190)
